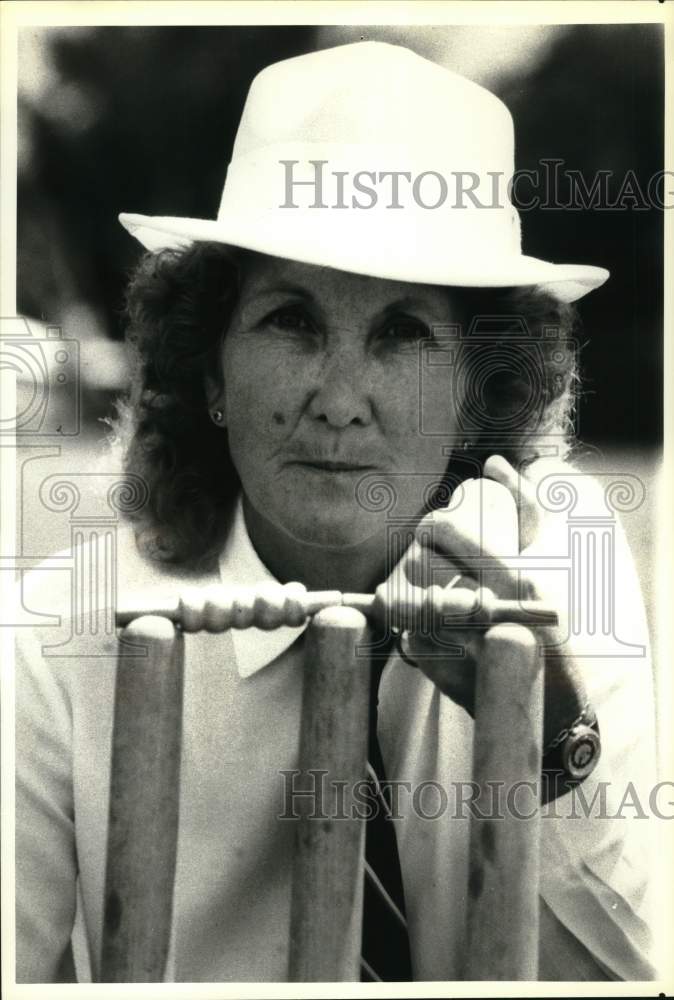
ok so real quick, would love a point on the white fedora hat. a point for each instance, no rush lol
(371, 159)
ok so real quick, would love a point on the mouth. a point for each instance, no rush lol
(334, 467)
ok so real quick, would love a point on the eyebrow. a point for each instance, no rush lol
(409, 303)
(287, 288)
(425, 311)
(284, 288)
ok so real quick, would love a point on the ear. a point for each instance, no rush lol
(216, 396)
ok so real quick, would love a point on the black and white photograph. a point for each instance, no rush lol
(337, 537)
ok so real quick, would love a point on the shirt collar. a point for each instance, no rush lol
(241, 566)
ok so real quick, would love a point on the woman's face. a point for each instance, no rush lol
(324, 384)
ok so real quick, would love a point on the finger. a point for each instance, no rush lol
(477, 533)
(445, 642)
(483, 523)
(425, 567)
(448, 660)
(524, 493)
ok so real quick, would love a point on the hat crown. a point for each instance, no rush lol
(377, 94)
(370, 159)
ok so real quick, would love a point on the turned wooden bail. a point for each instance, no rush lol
(270, 606)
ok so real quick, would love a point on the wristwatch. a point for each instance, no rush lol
(576, 750)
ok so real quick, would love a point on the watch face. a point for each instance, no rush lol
(582, 754)
(581, 751)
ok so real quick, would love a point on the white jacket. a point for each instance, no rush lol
(242, 712)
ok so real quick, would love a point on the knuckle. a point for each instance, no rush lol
(416, 565)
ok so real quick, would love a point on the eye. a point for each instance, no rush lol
(291, 319)
(405, 330)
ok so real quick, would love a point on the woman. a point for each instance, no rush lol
(321, 342)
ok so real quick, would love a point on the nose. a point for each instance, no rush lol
(341, 397)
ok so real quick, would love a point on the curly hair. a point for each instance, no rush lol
(178, 308)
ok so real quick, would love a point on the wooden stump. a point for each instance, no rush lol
(504, 840)
(144, 798)
(327, 886)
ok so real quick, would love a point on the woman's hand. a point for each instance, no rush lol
(494, 517)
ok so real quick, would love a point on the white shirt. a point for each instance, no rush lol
(241, 724)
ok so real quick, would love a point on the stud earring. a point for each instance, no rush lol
(218, 416)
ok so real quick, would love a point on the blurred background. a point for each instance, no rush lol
(143, 120)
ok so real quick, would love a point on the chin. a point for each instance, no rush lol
(330, 528)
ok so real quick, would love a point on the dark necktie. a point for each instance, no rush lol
(385, 952)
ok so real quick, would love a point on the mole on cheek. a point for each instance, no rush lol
(278, 418)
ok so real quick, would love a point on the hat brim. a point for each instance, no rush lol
(567, 282)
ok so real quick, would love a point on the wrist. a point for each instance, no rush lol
(566, 700)
(571, 756)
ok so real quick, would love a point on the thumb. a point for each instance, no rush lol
(524, 493)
